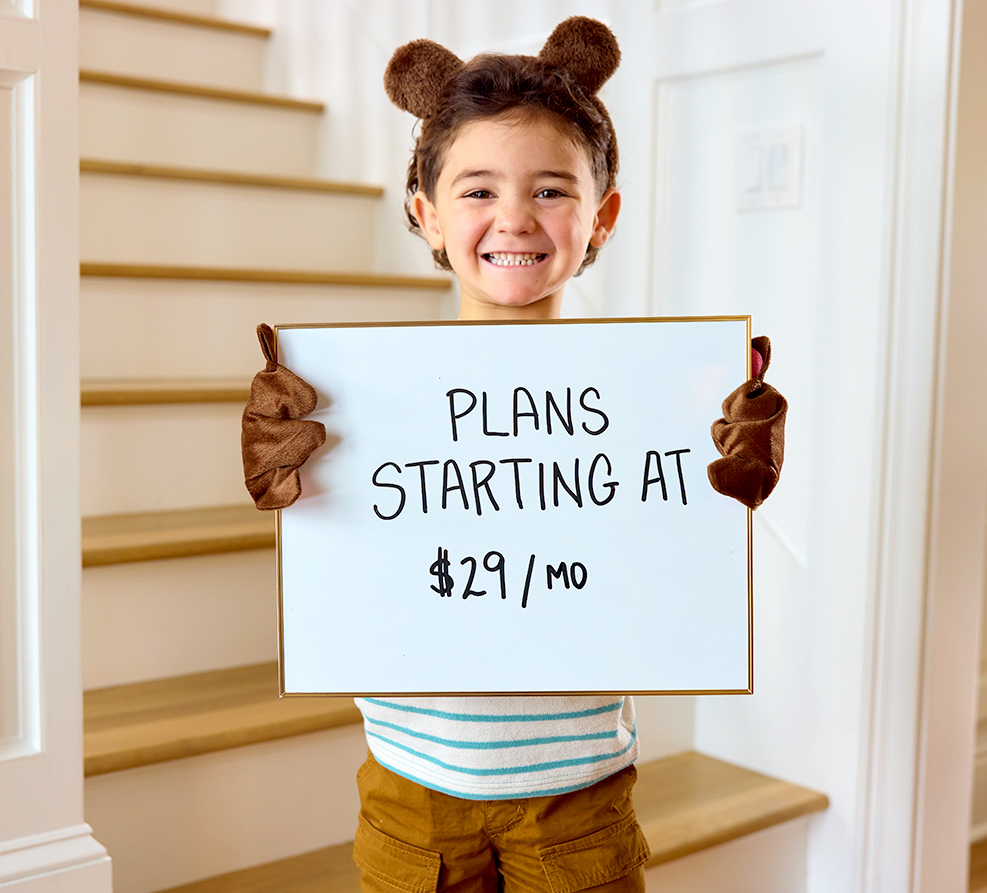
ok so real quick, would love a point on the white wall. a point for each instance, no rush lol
(848, 286)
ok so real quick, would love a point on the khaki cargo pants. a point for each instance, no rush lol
(411, 839)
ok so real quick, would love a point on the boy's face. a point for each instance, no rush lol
(515, 207)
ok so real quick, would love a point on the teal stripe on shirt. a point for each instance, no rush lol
(489, 745)
(511, 770)
(487, 795)
(496, 717)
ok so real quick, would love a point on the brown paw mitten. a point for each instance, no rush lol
(750, 436)
(274, 439)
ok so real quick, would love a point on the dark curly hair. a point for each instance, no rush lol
(492, 85)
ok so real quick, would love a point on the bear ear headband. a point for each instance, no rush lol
(418, 73)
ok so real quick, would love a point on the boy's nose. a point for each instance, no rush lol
(515, 216)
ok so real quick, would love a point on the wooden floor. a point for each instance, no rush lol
(978, 867)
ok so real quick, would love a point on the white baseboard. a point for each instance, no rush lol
(66, 859)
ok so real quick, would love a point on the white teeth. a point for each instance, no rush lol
(503, 259)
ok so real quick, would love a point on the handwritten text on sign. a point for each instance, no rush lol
(557, 470)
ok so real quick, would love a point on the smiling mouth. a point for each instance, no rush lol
(507, 259)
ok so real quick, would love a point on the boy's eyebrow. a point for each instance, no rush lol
(480, 174)
(470, 175)
(557, 175)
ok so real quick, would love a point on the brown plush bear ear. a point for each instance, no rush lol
(417, 75)
(584, 48)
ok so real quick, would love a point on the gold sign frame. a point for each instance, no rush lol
(748, 689)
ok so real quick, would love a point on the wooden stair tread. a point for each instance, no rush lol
(690, 802)
(173, 16)
(329, 869)
(685, 804)
(226, 178)
(127, 726)
(145, 391)
(90, 76)
(149, 536)
(237, 274)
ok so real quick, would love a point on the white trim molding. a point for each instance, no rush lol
(29, 860)
(45, 847)
(958, 506)
(918, 761)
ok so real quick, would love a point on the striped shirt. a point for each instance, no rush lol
(499, 748)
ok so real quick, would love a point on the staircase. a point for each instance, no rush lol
(202, 215)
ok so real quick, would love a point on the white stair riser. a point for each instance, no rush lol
(147, 220)
(177, 822)
(771, 861)
(150, 48)
(153, 619)
(123, 124)
(161, 328)
(160, 457)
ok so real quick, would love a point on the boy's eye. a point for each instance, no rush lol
(548, 192)
(479, 193)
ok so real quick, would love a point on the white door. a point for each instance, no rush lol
(44, 842)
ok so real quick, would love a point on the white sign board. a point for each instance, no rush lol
(516, 508)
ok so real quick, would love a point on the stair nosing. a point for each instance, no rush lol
(146, 392)
(198, 91)
(179, 18)
(225, 178)
(236, 274)
(152, 536)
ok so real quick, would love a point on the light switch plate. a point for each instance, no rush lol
(769, 168)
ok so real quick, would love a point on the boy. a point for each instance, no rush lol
(513, 185)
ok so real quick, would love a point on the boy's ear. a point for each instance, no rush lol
(606, 218)
(428, 220)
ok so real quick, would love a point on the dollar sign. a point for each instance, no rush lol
(440, 569)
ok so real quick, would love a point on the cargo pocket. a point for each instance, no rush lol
(389, 865)
(599, 858)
